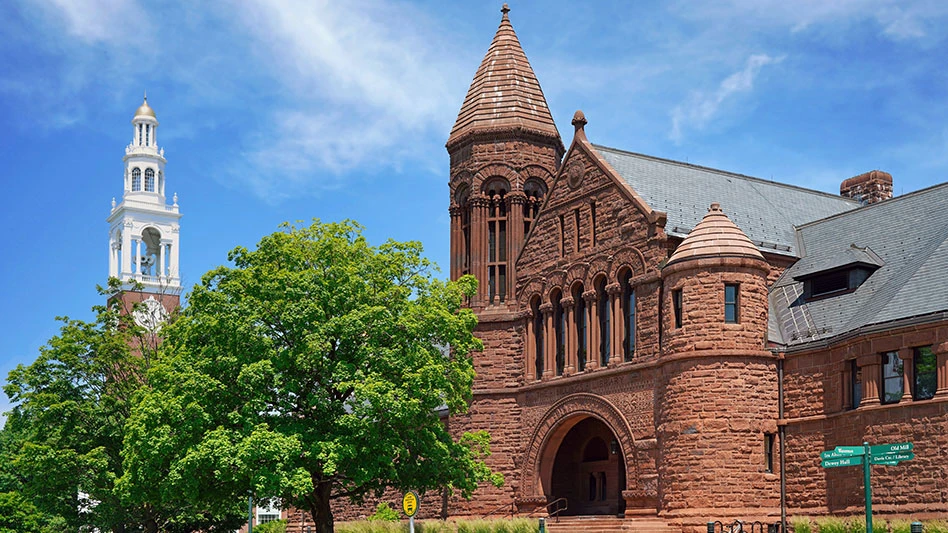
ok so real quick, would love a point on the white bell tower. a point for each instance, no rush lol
(143, 228)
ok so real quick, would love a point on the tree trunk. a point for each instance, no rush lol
(321, 510)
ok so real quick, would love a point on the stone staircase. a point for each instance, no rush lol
(609, 524)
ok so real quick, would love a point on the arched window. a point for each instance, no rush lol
(628, 316)
(496, 192)
(605, 322)
(149, 180)
(580, 326)
(534, 190)
(537, 337)
(136, 179)
(462, 198)
(559, 331)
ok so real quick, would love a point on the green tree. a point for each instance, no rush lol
(67, 425)
(313, 369)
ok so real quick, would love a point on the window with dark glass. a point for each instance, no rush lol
(136, 179)
(627, 306)
(677, 307)
(580, 318)
(855, 385)
(891, 378)
(538, 338)
(592, 224)
(559, 331)
(140, 134)
(576, 225)
(769, 452)
(534, 191)
(925, 382)
(605, 326)
(562, 236)
(497, 246)
(731, 303)
(147, 135)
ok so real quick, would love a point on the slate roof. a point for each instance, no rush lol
(908, 235)
(505, 93)
(766, 211)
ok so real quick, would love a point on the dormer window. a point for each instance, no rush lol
(840, 273)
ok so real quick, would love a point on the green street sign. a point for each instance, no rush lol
(891, 458)
(850, 450)
(852, 460)
(880, 449)
(831, 454)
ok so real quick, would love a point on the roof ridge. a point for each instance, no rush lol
(888, 202)
(725, 173)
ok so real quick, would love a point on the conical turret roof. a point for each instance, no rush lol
(715, 236)
(505, 93)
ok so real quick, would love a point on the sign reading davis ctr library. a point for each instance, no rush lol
(865, 455)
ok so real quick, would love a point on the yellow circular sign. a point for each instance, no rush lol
(410, 503)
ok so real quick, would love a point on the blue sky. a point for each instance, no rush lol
(275, 110)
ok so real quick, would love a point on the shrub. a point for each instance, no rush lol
(935, 526)
(277, 526)
(384, 513)
(800, 524)
(900, 526)
(830, 524)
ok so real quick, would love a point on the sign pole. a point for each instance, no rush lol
(865, 472)
(411, 524)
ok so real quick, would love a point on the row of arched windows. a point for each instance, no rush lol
(579, 330)
(149, 183)
(491, 227)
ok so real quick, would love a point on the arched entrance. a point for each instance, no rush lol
(588, 470)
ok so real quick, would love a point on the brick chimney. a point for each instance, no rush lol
(869, 188)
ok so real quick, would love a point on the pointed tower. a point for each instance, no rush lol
(143, 228)
(504, 150)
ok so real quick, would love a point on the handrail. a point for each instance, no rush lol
(512, 510)
(556, 514)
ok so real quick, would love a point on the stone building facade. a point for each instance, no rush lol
(677, 342)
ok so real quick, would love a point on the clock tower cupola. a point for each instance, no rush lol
(144, 238)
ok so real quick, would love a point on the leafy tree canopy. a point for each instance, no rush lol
(62, 442)
(316, 368)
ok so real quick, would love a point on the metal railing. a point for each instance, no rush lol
(739, 526)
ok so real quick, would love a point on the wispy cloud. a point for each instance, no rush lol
(701, 107)
(367, 80)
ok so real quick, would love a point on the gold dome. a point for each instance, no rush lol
(145, 110)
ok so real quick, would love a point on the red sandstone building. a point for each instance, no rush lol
(662, 340)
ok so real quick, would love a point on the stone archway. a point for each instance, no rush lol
(555, 425)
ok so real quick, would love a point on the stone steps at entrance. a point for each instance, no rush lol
(608, 524)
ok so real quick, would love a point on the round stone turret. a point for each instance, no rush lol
(717, 397)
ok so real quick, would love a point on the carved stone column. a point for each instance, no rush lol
(614, 290)
(457, 247)
(515, 203)
(907, 355)
(569, 332)
(870, 365)
(941, 369)
(478, 259)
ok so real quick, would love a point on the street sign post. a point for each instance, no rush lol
(865, 455)
(410, 506)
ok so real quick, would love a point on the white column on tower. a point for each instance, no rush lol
(160, 270)
(138, 257)
(175, 252)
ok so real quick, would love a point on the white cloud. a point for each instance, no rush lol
(702, 107)
(366, 79)
(99, 20)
